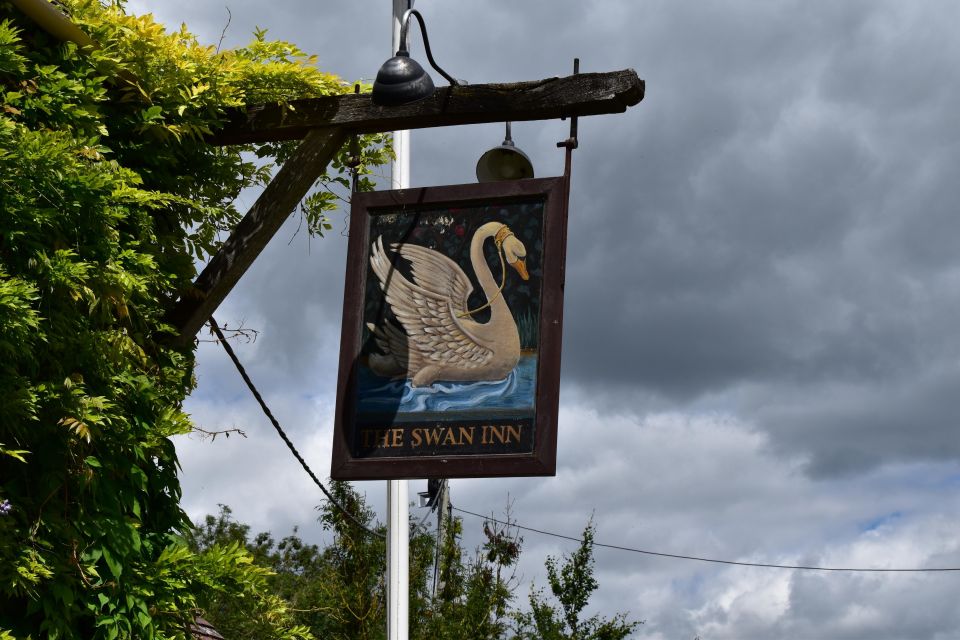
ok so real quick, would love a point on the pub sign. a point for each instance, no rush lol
(450, 347)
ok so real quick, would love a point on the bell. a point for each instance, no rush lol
(505, 162)
(401, 80)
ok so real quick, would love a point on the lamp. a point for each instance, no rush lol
(505, 162)
(401, 79)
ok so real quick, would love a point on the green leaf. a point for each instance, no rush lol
(144, 619)
(152, 113)
(139, 477)
(115, 567)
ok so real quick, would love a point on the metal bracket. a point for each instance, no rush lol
(354, 158)
(571, 142)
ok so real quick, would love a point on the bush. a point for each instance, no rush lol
(108, 193)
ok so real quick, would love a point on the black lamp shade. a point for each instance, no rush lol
(401, 80)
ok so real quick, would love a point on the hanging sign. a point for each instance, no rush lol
(450, 351)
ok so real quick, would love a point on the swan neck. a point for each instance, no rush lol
(481, 269)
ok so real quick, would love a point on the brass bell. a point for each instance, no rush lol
(505, 162)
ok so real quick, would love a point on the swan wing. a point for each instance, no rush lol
(436, 272)
(427, 316)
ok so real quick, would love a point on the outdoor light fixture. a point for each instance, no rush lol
(505, 162)
(401, 79)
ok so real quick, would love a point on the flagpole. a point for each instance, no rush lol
(398, 528)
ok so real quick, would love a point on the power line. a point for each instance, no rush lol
(352, 518)
(280, 432)
(699, 559)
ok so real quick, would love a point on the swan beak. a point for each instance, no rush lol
(521, 266)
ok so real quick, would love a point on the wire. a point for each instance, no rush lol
(713, 560)
(352, 518)
(276, 425)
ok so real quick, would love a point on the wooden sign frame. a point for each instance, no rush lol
(374, 439)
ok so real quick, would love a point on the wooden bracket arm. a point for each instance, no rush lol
(583, 94)
(255, 230)
(325, 123)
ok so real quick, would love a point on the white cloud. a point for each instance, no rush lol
(760, 354)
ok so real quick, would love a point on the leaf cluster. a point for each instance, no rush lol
(108, 195)
(572, 582)
(338, 591)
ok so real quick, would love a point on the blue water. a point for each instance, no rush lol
(515, 392)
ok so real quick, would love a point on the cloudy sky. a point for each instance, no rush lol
(761, 355)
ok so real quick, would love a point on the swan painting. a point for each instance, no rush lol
(436, 337)
(450, 344)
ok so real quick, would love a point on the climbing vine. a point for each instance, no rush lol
(108, 197)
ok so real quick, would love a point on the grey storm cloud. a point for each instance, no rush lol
(767, 218)
(760, 357)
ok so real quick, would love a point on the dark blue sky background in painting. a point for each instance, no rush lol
(761, 356)
(450, 232)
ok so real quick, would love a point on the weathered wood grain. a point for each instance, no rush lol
(255, 230)
(325, 123)
(582, 94)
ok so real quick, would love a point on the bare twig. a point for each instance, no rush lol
(225, 27)
(240, 333)
(204, 434)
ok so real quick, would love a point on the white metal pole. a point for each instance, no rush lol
(398, 551)
(398, 527)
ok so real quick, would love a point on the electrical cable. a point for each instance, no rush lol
(280, 432)
(352, 518)
(713, 560)
(423, 519)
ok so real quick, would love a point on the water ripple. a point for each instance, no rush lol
(516, 391)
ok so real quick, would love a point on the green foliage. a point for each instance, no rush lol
(337, 591)
(108, 194)
(474, 594)
(571, 583)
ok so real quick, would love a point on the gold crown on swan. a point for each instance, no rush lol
(502, 235)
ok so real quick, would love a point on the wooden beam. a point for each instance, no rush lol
(583, 94)
(256, 229)
(325, 123)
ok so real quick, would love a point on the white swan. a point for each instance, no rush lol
(439, 339)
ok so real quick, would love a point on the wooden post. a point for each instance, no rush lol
(252, 234)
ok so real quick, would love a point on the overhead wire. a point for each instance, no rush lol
(276, 425)
(712, 560)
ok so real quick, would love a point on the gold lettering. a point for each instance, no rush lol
(466, 433)
(433, 435)
(382, 438)
(442, 436)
